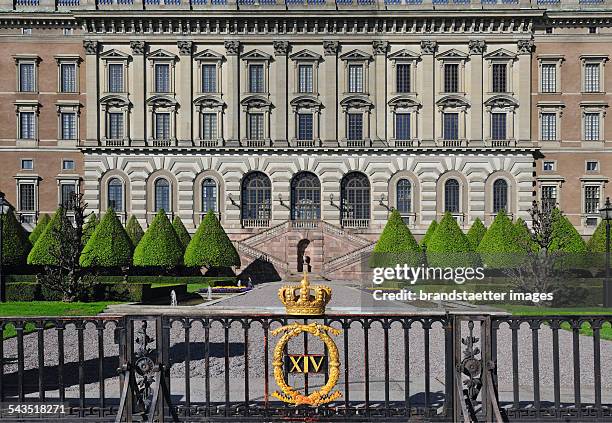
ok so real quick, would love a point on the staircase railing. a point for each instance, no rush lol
(347, 259)
(267, 234)
(338, 231)
(258, 254)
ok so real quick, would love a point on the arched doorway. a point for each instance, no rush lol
(303, 256)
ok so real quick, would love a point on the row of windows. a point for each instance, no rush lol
(67, 122)
(67, 77)
(591, 126)
(591, 83)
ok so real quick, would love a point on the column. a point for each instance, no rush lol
(329, 95)
(428, 120)
(138, 92)
(184, 87)
(523, 122)
(232, 93)
(92, 113)
(379, 90)
(476, 90)
(278, 93)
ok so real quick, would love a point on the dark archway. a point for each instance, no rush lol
(302, 256)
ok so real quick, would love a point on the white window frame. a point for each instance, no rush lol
(595, 109)
(27, 59)
(27, 180)
(68, 108)
(550, 108)
(552, 162)
(68, 60)
(26, 159)
(593, 60)
(64, 161)
(555, 60)
(27, 106)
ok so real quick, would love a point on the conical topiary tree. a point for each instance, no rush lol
(48, 242)
(89, 227)
(210, 246)
(565, 238)
(396, 245)
(15, 242)
(159, 246)
(43, 221)
(597, 241)
(476, 233)
(181, 231)
(499, 247)
(523, 236)
(430, 231)
(134, 230)
(109, 245)
(449, 247)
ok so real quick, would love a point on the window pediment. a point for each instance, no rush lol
(115, 101)
(356, 55)
(208, 102)
(452, 54)
(161, 101)
(452, 101)
(256, 102)
(501, 101)
(356, 102)
(115, 55)
(161, 54)
(305, 102)
(501, 54)
(208, 55)
(306, 55)
(403, 102)
(404, 54)
(256, 55)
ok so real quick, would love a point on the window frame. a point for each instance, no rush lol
(26, 160)
(68, 60)
(586, 166)
(28, 180)
(156, 209)
(589, 60)
(550, 60)
(123, 194)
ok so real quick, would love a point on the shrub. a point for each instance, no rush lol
(210, 246)
(43, 221)
(430, 231)
(597, 242)
(396, 245)
(181, 232)
(565, 238)
(109, 245)
(476, 232)
(134, 230)
(523, 236)
(15, 242)
(159, 246)
(89, 227)
(43, 252)
(449, 247)
(499, 247)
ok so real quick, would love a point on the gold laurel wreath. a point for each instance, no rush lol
(289, 394)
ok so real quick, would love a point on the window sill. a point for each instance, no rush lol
(26, 142)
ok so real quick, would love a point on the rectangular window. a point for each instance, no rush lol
(256, 78)
(256, 126)
(68, 77)
(591, 126)
(67, 193)
(549, 126)
(67, 164)
(26, 197)
(403, 78)
(402, 126)
(549, 78)
(115, 78)
(549, 197)
(69, 126)
(499, 78)
(209, 78)
(68, 31)
(27, 125)
(209, 126)
(591, 199)
(306, 77)
(162, 126)
(27, 81)
(305, 126)
(591, 78)
(162, 78)
(27, 164)
(26, 31)
(498, 126)
(592, 166)
(451, 126)
(451, 78)
(115, 126)
(355, 126)
(355, 79)
(548, 166)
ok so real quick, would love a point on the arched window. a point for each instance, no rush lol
(500, 195)
(451, 196)
(256, 197)
(404, 196)
(209, 195)
(355, 199)
(115, 195)
(305, 197)
(162, 195)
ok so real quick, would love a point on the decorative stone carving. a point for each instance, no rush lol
(232, 47)
(185, 47)
(90, 46)
(525, 46)
(138, 47)
(477, 46)
(331, 47)
(281, 48)
(428, 47)
(380, 47)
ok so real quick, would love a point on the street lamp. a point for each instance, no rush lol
(606, 214)
(4, 208)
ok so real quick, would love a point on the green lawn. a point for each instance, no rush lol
(195, 287)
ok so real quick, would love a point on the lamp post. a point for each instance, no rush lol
(606, 214)
(3, 210)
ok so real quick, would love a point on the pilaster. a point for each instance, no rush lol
(525, 49)
(379, 92)
(428, 120)
(185, 93)
(232, 90)
(278, 91)
(92, 136)
(329, 94)
(476, 89)
(138, 88)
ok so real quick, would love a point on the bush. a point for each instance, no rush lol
(89, 227)
(43, 221)
(499, 247)
(476, 232)
(160, 246)
(430, 231)
(523, 236)
(134, 230)
(181, 232)
(15, 242)
(210, 246)
(449, 247)
(565, 238)
(597, 242)
(43, 251)
(22, 291)
(109, 245)
(396, 245)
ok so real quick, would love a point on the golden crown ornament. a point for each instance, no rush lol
(304, 300)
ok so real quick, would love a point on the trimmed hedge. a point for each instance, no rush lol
(43, 221)
(89, 227)
(160, 246)
(48, 242)
(15, 242)
(396, 245)
(566, 238)
(476, 232)
(449, 247)
(134, 230)
(210, 246)
(499, 247)
(181, 232)
(153, 280)
(597, 242)
(523, 236)
(109, 245)
(430, 231)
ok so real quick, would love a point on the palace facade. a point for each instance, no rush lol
(303, 123)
